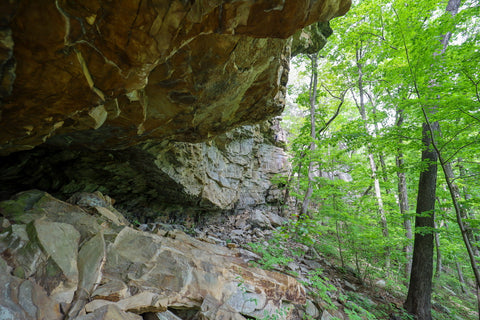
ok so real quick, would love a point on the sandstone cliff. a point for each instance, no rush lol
(110, 74)
(113, 96)
(161, 104)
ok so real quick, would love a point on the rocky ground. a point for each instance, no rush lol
(81, 259)
(343, 287)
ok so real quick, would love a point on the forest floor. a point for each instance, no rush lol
(334, 291)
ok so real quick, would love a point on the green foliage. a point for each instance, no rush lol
(303, 230)
(321, 288)
(279, 314)
(273, 254)
(395, 48)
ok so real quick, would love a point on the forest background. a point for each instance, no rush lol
(384, 139)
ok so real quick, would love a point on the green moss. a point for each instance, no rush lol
(19, 272)
(16, 208)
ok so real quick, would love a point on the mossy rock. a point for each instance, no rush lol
(16, 209)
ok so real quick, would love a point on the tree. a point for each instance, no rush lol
(313, 101)
(405, 86)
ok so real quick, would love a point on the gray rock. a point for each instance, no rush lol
(212, 309)
(441, 308)
(4, 267)
(380, 283)
(349, 286)
(166, 315)
(86, 199)
(60, 243)
(237, 232)
(276, 220)
(114, 290)
(259, 219)
(26, 300)
(139, 272)
(311, 309)
(91, 258)
(326, 316)
(109, 312)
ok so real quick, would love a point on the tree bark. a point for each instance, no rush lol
(403, 198)
(373, 166)
(439, 267)
(313, 99)
(420, 287)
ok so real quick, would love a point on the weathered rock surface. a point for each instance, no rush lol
(159, 180)
(120, 271)
(311, 39)
(110, 74)
(232, 171)
(24, 299)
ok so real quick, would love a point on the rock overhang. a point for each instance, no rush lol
(110, 75)
(102, 95)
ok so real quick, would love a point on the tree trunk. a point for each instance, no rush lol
(472, 234)
(439, 267)
(403, 197)
(381, 156)
(460, 277)
(459, 212)
(404, 207)
(373, 166)
(420, 287)
(313, 99)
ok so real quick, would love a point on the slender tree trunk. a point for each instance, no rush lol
(298, 179)
(420, 287)
(404, 208)
(381, 156)
(460, 277)
(313, 99)
(373, 166)
(473, 235)
(403, 197)
(459, 270)
(439, 266)
(340, 251)
(459, 212)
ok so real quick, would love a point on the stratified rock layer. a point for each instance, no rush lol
(232, 171)
(102, 267)
(110, 74)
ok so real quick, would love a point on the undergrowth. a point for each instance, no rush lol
(298, 236)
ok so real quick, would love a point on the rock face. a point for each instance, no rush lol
(116, 96)
(111, 74)
(99, 268)
(231, 172)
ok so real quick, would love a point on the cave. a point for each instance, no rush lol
(95, 98)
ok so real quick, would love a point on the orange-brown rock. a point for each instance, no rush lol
(110, 74)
